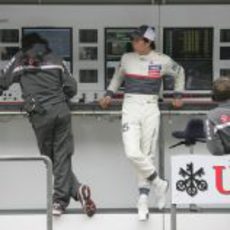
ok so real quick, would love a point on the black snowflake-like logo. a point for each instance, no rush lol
(192, 182)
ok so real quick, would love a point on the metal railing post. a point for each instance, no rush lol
(173, 217)
(49, 192)
(49, 182)
(161, 145)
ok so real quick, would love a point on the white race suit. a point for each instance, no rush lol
(143, 75)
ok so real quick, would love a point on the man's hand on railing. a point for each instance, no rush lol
(177, 103)
(105, 102)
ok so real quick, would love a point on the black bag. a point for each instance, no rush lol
(32, 105)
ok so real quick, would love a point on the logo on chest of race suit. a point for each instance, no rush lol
(154, 70)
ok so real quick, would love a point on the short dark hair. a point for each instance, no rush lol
(28, 40)
(221, 89)
(152, 43)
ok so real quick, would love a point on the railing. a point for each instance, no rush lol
(48, 164)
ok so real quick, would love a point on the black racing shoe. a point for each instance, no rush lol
(58, 210)
(84, 196)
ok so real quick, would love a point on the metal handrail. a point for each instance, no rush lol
(112, 112)
(49, 185)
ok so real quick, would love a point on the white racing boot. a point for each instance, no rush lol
(142, 206)
(160, 190)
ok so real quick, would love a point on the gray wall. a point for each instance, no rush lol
(99, 160)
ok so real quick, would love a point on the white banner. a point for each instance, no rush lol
(200, 179)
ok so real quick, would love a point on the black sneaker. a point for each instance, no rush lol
(58, 210)
(84, 196)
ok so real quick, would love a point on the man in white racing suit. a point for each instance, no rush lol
(142, 72)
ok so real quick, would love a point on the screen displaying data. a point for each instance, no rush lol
(193, 49)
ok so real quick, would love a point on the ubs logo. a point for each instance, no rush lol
(191, 181)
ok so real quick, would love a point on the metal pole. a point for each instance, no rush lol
(173, 217)
(49, 192)
(161, 148)
(48, 164)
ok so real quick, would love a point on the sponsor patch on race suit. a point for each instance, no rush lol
(154, 70)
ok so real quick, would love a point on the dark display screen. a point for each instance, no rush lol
(60, 40)
(193, 49)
